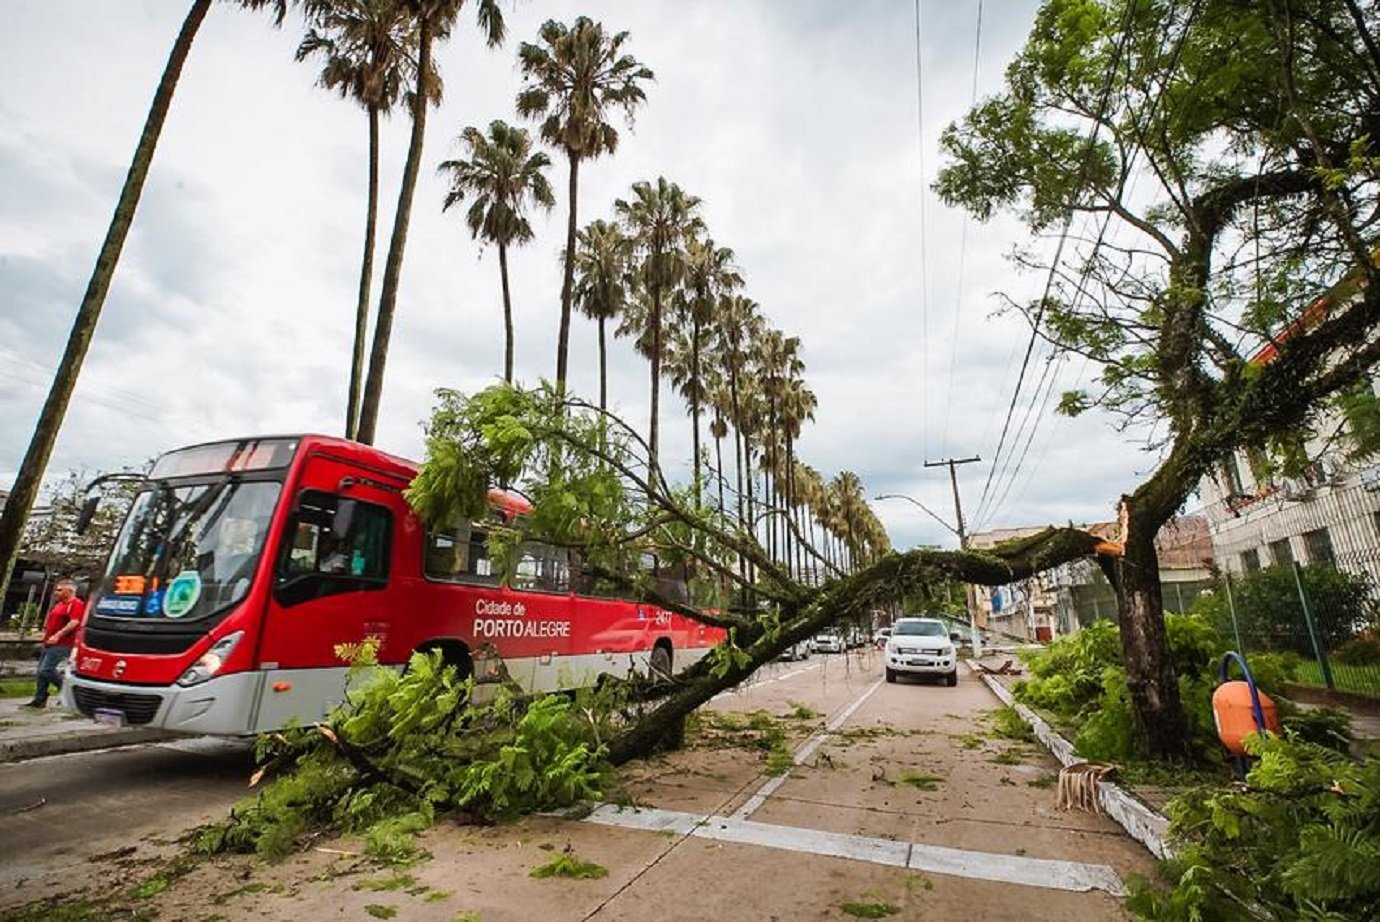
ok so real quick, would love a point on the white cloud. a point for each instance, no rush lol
(232, 309)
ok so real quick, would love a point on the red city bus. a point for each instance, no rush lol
(243, 564)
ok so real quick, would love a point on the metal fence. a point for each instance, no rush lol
(1328, 615)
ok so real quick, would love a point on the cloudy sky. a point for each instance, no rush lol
(797, 122)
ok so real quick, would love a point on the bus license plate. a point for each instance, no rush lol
(108, 717)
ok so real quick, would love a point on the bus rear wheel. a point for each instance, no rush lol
(659, 665)
(452, 654)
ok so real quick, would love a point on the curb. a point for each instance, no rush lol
(78, 741)
(1141, 822)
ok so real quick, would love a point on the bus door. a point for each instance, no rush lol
(330, 593)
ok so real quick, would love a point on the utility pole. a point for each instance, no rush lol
(971, 598)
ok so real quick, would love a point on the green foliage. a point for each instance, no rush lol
(406, 748)
(1269, 613)
(1007, 724)
(379, 911)
(568, 866)
(873, 909)
(924, 781)
(1359, 651)
(1301, 840)
(1079, 679)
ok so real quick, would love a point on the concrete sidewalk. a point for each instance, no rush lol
(26, 733)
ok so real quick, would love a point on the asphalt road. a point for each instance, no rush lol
(58, 813)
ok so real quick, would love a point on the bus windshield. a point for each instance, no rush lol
(187, 551)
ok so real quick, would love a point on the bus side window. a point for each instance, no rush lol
(542, 568)
(458, 554)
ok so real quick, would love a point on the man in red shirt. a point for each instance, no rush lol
(59, 634)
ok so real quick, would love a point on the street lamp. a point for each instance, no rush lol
(969, 601)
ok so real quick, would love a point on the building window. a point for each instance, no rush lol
(1282, 553)
(1250, 560)
(1318, 544)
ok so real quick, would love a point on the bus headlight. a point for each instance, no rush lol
(210, 661)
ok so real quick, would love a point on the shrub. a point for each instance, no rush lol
(1269, 613)
(1359, 651)
(1080, 680)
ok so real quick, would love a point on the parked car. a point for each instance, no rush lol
(796, 651)
(828, 642)
(879, 637)
(921, 646)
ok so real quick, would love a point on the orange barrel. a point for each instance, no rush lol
(1234, 716)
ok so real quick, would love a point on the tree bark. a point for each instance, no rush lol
(35, 463)
(507, 314)
(654, 429)
(392, 271)
(567, 280)
(695, 402)
(603, 370)
(1150, 674)
(366, 279)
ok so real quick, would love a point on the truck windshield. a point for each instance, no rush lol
(187, 551)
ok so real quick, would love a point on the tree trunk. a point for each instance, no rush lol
(31, 469)
(603, 369)
(653, 429)
(392, 271)
(568, 279)
(719, 461)
(1144, 643)
(891, 579)
(507, 314)
(695, 403)
(366, 278)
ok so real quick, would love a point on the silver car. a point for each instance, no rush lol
(921, 646)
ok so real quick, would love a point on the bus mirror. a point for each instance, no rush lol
(344, 515)
(86, 513)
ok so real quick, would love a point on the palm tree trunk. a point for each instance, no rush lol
(719, 460)
(568, 281)
(392, 270)
(366, 278)
(603, 369)
(695, 403)
(653, 429)
(30, 476)
(507, 314)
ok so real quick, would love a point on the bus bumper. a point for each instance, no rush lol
(220, 706)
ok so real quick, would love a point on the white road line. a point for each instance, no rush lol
(742, 688)
(934, 859)
(804, 752)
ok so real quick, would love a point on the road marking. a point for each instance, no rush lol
(934, 859)
(738, 690)
(807, 749)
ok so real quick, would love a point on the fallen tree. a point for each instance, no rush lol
(405, 748)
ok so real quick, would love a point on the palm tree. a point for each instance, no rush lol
(601, 283)
(369, 48)
(503, 175)
(35, 462)
(434, 20)
(572, 80)
(709, 274)
(658, 219)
